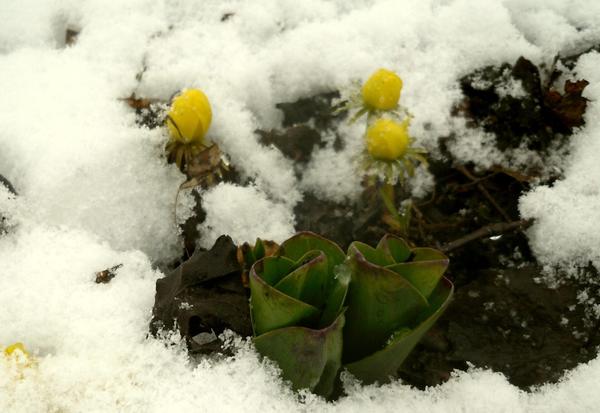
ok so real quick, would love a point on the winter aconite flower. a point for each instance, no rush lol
(17, 355)
(189, 117)
(379, 94)
(388, 139)
(389, 152)
(14, 349)
(188, 121)
(382, 90)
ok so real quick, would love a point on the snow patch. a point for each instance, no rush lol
(243, 213)
(567, 219)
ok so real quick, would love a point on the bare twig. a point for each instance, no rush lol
(487, 231)
(484, 191)
(516, 175)
(420, 219)
(442, 226)
(477, 181)
(430, 200)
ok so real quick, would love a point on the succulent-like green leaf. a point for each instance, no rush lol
(307, 283)
(273, 269)
(396, 247)
(336, 294)
(427, 254)
(383, 364)
(379, 303)
(308, 358)
(373, 255)
(295, 248)
(259, 250)
(270, 308)
(425, 269)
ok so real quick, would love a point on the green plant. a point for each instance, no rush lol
(315, 309)
(296, 307)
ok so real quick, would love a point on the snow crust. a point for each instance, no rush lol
(95, 190)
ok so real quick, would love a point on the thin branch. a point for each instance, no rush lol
(487, 231)
(484, 191)
(478, 180)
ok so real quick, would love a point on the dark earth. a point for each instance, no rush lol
(502, 317)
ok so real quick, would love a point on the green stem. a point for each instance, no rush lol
(388, 196)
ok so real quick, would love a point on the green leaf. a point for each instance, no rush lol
(383, 364)
(309, 281)
(373, 255)
(295, 248)
(336, 294)
(396, 247)
(259, 250)
(271, 309)
(308, 358)
(424, 271)
(379, 303)
(273, 269)
(389, 205)
(427, 254)
(423, 275)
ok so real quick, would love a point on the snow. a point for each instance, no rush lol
(332, 174)
(567, 228)
(74, 154)
(95, 190)
(243, 212)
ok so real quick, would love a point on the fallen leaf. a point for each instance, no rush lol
(104, 277)
(203, 297)
(138, 103)
(568, 108)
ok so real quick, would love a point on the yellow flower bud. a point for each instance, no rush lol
(382, 90)
(387, 139)
(190, 115)
(20, 356)
(8, 351)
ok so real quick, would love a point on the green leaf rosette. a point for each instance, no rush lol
(296, 304)
(316, 310)
(396, 294)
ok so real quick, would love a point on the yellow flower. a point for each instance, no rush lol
(387, 139)
(189, 118)
(17, 354)
(8, 351)
(382, 90)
